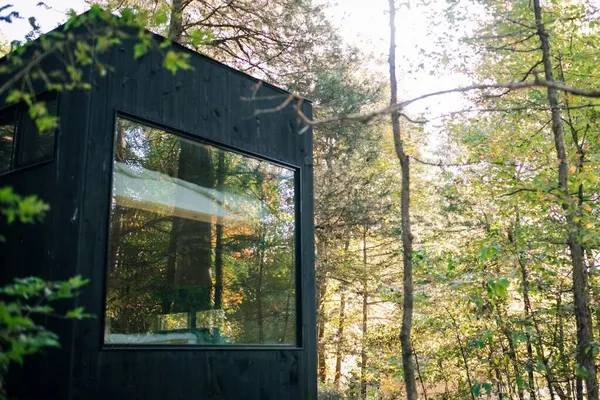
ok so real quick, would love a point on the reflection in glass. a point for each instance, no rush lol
(21, 142)
(34, 145)
(202, 244)
(7, 136)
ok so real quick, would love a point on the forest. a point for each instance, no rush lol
(457, 229)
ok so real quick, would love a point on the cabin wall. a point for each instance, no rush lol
(48, 249)
(203, 103)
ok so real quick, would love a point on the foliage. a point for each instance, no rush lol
(24, 304)
(23, 209)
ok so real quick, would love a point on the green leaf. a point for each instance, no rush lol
(580, 371)
(520, 382)
(139, 49)
(127, 15)
(540, 366)
(75, 314)
(14, 96)
(498, 288)
(160, 18)
(176, 60)
(487, 252)
(487, 387)
(201, 37)
(95, 11)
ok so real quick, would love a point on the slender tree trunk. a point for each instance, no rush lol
(462, 352)
(526, 303)
(419, 374)
(321, 278)
(365, 316)
(407, 238)
(499, 380)
(562, 353)
(512, 355)
(506, 368)
(585, 336)
(340, 332)
(221, 173)
(340, 338)
(259, 288)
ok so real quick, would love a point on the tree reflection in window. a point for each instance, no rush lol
(202, 244)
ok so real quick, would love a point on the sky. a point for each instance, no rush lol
(48, 18)
(363, 23)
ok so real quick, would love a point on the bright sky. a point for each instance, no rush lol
(47, 18)
(362, 22)
(365, 24)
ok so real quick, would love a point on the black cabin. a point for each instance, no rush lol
(192, 216)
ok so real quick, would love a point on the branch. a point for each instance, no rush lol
(519, 191)
(398, 107)
(498, 110)
(444, 165)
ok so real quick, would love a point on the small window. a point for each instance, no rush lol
(22, 144)
(202, 244)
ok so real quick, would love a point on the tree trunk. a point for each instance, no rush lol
(340, 339)
(365, 316)
(512, 355)
(526, 302)
(193, 238)
(420, 375)
(176, 21)
(321, 278)
(259, 286)
(407, 238)
(463, 354)
(221, 173)
(585, 336)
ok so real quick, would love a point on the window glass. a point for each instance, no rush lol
(21, 142)
(34, 145)
(7, 133)
(202, 244)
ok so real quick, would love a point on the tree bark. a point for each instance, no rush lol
(585, 336)
(221, 173)
(420, 375)
(176, 21)
(340, 339)
(365, 316)
(321, 283)
(407, 238)
(463, 353)
(514, 238)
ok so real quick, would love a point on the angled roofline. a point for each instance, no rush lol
(187, 50)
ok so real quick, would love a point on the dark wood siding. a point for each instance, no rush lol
(49, 249)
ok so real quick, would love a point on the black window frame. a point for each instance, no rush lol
(300, 340)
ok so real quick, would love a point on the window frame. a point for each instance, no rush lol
(299, 295)
(17, 140)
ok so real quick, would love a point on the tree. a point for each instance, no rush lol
(407, 239)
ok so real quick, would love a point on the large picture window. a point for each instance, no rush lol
(201, 244)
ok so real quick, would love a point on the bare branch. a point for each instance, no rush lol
(506, 110)
(398, 107)
(366, 117)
